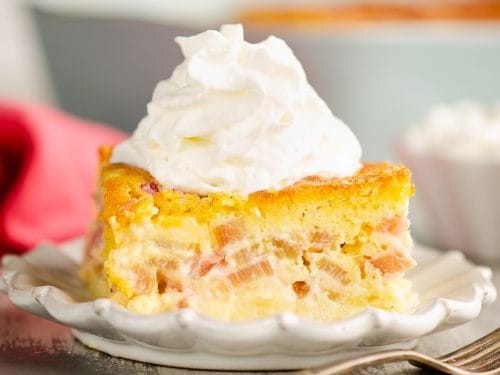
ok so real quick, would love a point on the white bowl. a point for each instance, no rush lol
(377, 78)
(458, 202)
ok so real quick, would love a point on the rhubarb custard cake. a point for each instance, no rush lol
(240, 195)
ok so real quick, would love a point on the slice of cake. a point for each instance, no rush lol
(240, 195)
(322, 248)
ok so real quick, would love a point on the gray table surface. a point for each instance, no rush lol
(34, 346)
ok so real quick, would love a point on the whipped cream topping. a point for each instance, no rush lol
(465, 130)
(238, 117)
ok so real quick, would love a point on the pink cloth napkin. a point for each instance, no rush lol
(48, 169)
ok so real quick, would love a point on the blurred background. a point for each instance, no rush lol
(379, 65)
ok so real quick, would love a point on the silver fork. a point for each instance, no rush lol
(480, 357)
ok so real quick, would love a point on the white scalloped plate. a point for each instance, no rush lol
(45, 282)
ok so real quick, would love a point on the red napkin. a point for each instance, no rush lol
(48, 169)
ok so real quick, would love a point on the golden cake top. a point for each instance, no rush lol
(130, 189)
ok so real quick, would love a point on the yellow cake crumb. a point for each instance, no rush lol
(322, 248)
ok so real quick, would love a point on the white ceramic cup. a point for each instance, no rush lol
(457, 203)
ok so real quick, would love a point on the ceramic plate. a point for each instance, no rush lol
(45, 282)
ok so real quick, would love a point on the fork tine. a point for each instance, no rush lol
(491, 367)
(480, 357)
(477, 355)
(472, 348)
(491, 361)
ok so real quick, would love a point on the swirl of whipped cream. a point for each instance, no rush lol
(238, 117)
